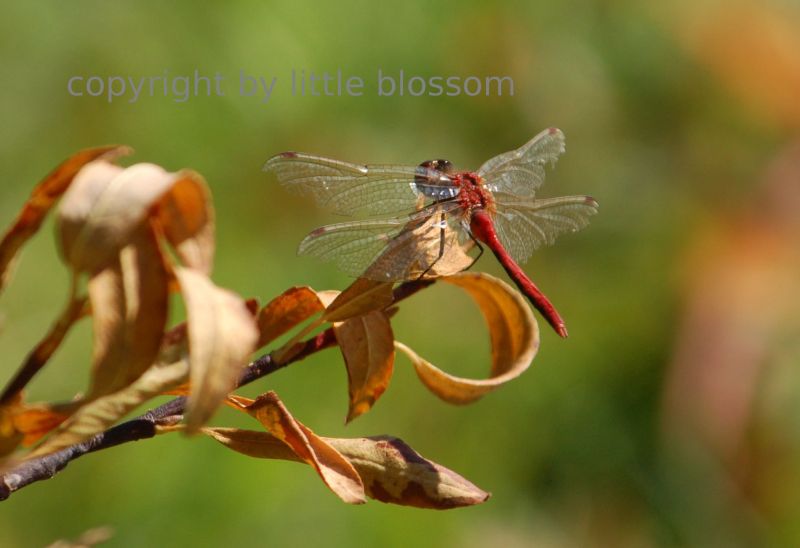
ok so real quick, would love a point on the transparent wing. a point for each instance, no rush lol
(523, 225)
(348, 189)
(521, 171)
(393, 249)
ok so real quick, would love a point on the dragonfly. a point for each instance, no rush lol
(423, 221)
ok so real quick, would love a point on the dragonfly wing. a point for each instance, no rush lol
(525, 225)
(521, 171)
(349, 189)
(393, 249)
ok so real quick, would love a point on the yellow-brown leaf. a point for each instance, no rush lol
(292, 307)
(102, 208)
(257, 444)
(416, 254)
(361, 297)
(514, 336)
(222, 335)
(336, 471)
(393, 472)
(10, 435)
(367, 344)
(36, 421)
(129, 311)
(390, 470)
(99, 414)
(186, 216)
(42, 198)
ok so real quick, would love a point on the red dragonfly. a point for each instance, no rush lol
(432, 215)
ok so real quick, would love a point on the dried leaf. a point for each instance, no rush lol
(416, 254)
(129, 311)
(42, 198)
(363, 296)
(252, 443)
(186, 215)
(10, 436)
(292, 307)
(337, 473)
(514, 337)
(391, 471)
(103, 207)
(99, 414)
(222, 335)
(367, 345)
(36, 421)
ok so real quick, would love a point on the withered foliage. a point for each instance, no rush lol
(129, 237)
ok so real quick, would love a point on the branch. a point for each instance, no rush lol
(145, 426)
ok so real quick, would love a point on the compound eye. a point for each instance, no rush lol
(445, 166)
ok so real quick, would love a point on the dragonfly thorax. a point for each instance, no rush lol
(472, 192)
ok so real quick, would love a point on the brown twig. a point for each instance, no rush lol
(145, 426)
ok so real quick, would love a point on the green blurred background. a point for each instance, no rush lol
(670, 415)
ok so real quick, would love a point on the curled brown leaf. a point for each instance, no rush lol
(99, 414)
(102, 208)
(336, 471)
(362, 296)
(367, 345)
(391, 471)
(37, 420)
(186, 217)
(423, 240)
(222, 335)
(514, 336)
(129, 311)
(10, 435)
(42, 198)
(289, 309)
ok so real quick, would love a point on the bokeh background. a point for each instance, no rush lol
(670, 417)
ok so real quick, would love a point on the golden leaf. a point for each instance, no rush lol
(222, 335)
(99, 414)
(257, 444)
(129, 312)
(362, 296)
(42, 198)
(336, 471)
(292, 307)
(390, 470)
(367, 346)
(102, 208)
(514, 337)
(393, 472)
(36, 421)
(186, 216)
(416, 254)
(10, 435)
